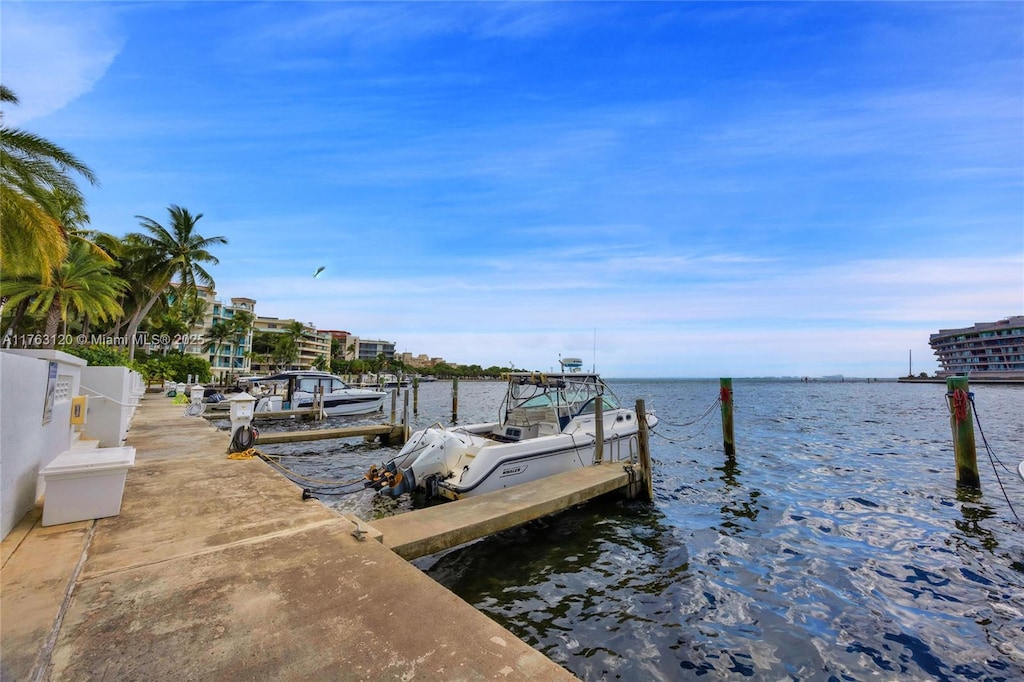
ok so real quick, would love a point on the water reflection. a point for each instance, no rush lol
(832, 546)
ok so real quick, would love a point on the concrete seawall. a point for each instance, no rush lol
(217, 569)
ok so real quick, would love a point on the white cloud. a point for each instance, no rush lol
(50, 56)
(858, 318)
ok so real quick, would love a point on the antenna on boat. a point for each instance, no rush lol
(593, 364)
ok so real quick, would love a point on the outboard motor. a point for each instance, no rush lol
(426, 455)
(389, 480)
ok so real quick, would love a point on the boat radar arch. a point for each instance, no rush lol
(571, 364)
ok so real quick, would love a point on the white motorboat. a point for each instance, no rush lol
(547, 425)
(296, 390)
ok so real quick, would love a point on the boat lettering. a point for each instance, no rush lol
(514, 470)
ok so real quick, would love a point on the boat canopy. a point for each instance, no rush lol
(533, 397)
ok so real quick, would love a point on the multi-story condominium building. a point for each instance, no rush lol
(992, 350)
(421, 361)
(365, 349)
(227, 355)
(312, 344)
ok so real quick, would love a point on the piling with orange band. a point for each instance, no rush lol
(958, 397)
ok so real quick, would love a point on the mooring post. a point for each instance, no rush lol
(645, 449)
(455, 399)
(599, 430)
(958, 397)
(394, 404)
(415, 395)
(406, 421)
(725, 394)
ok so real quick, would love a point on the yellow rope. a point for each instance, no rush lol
(244, 454)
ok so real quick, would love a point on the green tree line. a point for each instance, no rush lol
(63, 283)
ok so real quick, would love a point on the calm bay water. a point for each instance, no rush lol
(834, 546)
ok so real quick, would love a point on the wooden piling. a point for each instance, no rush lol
(599, 430)
(394, 404)
(725, 393)
(415, 395)
(406, 421)
(645, 449)
(961, 422)
(455, 400)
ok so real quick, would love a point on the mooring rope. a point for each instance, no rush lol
(683, 439)
(992, 458)
(274, 460)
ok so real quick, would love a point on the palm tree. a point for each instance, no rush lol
(241, 326)
(32, 171)
(290, 346)
(216, 335)
(168, 325)
(83, 284)
(167, 253)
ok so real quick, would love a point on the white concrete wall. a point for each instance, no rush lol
(26, 444)
(113, 392)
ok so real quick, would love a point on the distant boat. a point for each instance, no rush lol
(299, 388)
(548, 426)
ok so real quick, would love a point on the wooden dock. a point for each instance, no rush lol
(278, 414)
(389, 434)
(434, 529)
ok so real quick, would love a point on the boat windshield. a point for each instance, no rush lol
(329, 384)
(556, 398)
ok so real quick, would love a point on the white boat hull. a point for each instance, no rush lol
(548, 426)
(464, 462)
(343, 406)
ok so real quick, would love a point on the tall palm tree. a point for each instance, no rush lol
(295, 333)
(241, 326)
(169, 253)
(32, 170)
(83, 285)
(218, 333)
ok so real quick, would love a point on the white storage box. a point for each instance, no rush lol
(85, 484)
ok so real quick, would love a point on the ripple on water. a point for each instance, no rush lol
(833, 546)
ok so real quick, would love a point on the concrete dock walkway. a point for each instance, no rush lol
(217, 569)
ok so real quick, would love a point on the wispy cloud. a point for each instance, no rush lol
(51, 57)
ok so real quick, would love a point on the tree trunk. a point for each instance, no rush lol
(19, 315)
(137, 318)
(52, 322)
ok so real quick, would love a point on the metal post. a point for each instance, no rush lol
(961, 421)
(645, 448)
(725, 393)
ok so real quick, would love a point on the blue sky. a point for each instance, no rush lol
(670, 189)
